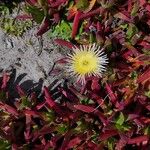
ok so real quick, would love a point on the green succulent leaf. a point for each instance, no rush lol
(25, 103)
(132, 30)
(37, 14)
(123, 127)
(4, 145)
(62, 30)
(82, 4)
(135, 9)
(111, 143)
(4, 10)
(147, 93)
(62, 128)
(147, 130)
(120, 120)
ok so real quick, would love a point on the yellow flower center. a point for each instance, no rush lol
(85, 62)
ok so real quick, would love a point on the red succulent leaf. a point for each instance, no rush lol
(147, 7)
(4, 135)
(95, 86)
(122, 16)
(112, 95)
(49, 1)
(58, 3)
(145, 44)
(48, 145)
(77, 93)
(27, 135)
(75, 24)
(71, 13)
(92, 13)
(128, 96)
(101, 116)
(31, 112)
(92, 145)
(14, 147)
(9, 109)
(145, 120)
(45, 26)
(61, 61)
(54, 140)
(119, 82)
(5, 80)
(69, 95)
(148, 107)
(138, 139)
(84, 108)
(74, 142)
(43, 141)
(20, 91)
(122, 142)
(33, 97)
(48, 98)
(129, 6)
(31, 2)
(51, 102)
(66, 140)
(74, 117)
(56, 18)
(132, 116)
(107, 134)
(39, 146)
(99, 27)
(132, 49)
(142, 2)
(55, 71)
(64, 43)
(127, 54)
(139, 122)
(45, 130)
(96, 97)
(41, 105)
(123, 67)
(24, 17)
(144, 77)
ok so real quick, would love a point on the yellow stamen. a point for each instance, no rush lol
(86, 61)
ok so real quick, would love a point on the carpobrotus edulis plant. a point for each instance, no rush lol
(86, 61)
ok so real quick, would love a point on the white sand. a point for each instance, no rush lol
(28, 57)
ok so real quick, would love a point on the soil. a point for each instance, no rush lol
(29, 59)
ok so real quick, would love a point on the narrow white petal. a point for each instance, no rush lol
(95, 52)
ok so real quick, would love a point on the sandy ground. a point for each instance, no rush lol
(30, 59)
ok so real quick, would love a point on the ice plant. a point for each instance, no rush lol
(86, 61)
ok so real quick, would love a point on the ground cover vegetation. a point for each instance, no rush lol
(108, 111)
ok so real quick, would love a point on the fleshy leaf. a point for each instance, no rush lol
(120, 119)
(75, 24)
(64, 43)
(84, 108)
(45, 26)
(107, 134)
(82, 4)
(138, 139)
(74, 142)
(144, 77)
(5, 80)
(36, 13)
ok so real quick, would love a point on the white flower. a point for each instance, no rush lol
(86, 61)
